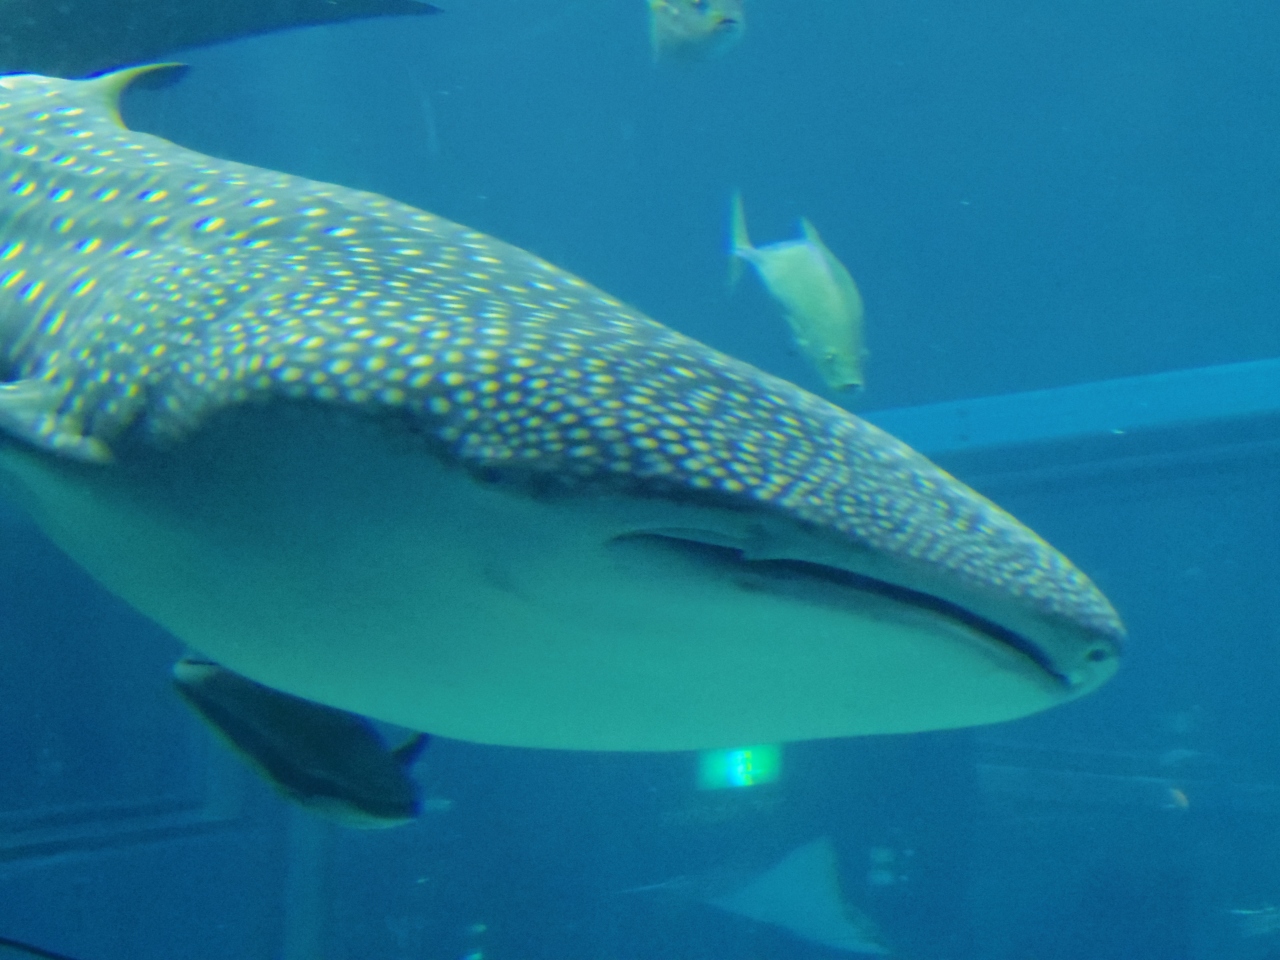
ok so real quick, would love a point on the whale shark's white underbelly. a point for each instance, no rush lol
(338, 559)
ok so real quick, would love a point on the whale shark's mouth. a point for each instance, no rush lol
(831, 586)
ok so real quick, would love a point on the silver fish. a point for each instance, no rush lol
(372, 458)
(818, 296)
(691, 30)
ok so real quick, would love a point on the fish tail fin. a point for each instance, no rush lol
(739, 239)
(740, 248)
(655, 32)
(407, 753)
(735, 272)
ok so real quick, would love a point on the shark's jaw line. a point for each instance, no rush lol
(789, 576)
(334, 558)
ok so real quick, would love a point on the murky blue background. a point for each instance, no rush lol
(1028, 194)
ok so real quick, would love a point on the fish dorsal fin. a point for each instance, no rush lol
(739, 240)
(810, 232)
(106, 89)
(407, 753)
(740, 247)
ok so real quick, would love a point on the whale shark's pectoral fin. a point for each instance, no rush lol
(29, 412)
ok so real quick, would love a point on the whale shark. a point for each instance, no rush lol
(365, 456)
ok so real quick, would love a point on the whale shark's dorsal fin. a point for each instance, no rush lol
(31, 409)
(106, 89)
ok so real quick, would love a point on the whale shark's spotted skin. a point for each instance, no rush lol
(145, 287)
(157, 285)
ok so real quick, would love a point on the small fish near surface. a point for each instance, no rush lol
(374, 459)
(820, 300)
(689, 30)
(76, 38)
(330, 761)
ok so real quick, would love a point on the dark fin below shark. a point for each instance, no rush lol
(31, 950)
(407, 753)
(330, 761)
(79, 38)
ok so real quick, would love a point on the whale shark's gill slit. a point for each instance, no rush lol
(817, 582)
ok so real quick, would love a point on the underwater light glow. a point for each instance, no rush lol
(743, 767)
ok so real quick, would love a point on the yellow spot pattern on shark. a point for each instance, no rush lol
(137, 334)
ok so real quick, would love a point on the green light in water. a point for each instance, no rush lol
(744, 767)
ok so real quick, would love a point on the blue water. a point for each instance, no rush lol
(1030, 195)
